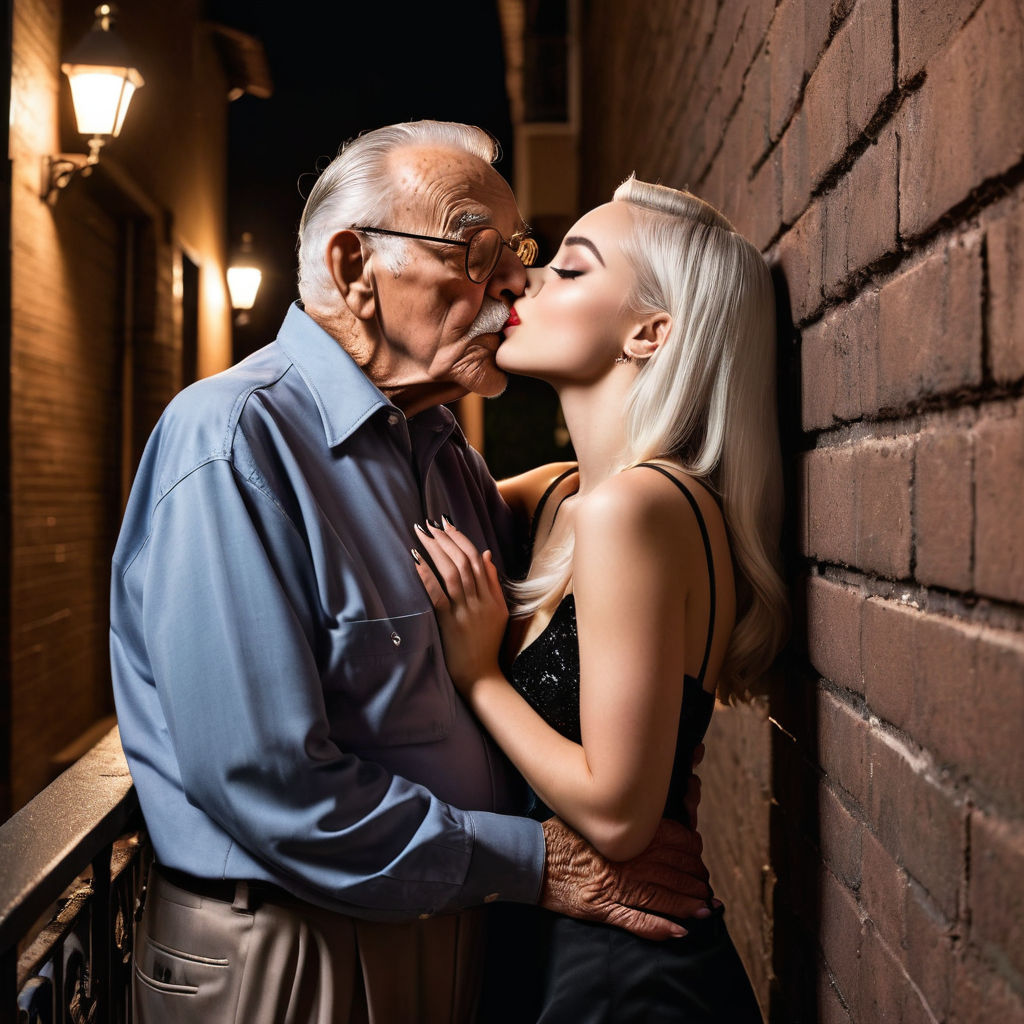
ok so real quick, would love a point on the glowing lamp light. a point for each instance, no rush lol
(101, 96)
(243, 284)
(103, 80)
(244, 277)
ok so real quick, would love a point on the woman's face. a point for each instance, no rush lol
(573, 321)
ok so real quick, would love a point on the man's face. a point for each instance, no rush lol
(441, 329)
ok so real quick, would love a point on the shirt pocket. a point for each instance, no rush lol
(386, 684)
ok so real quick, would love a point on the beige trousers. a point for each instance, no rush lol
(279, 960)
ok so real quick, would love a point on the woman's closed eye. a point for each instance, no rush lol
(566, 273)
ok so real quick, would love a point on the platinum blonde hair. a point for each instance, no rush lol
(356, 187)
(706, 398)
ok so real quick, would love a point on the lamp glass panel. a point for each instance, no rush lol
(243, 284)
(101, 98)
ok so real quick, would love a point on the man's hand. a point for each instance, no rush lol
(669, 877)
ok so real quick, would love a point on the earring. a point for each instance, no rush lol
(624, 358)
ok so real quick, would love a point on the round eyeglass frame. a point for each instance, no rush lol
(520, 243)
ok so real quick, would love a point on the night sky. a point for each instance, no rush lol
(340, 69)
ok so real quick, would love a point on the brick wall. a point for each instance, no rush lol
(867, 825)
(95, 349)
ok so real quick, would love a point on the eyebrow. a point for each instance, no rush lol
(587, 243)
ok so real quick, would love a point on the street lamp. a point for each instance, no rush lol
(244, 279)
(103, 80)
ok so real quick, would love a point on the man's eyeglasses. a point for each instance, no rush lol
(483, 248)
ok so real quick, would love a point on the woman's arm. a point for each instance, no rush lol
(523, 492)
(634, 554)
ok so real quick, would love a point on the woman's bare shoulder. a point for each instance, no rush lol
(643, 503)
(523, 492)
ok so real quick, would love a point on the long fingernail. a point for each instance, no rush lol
(416, 526)
(448, 521)
(433, 522)
(415, 556)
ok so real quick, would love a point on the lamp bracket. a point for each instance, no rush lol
(59, 170)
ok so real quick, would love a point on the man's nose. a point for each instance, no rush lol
(509, 276)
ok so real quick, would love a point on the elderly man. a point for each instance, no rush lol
(325, 812)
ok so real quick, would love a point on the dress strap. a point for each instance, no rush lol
(707, 553)
(535, 521)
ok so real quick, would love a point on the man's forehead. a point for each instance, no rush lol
(453, 189)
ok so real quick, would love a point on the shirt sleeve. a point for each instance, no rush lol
(229, 625)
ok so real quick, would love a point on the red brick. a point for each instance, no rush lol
(944, 509)
(883, 890)
(1005, 237)
(830, 1008)
(819, 376)
(852, 79)
(956, 688)
(982, 995)
(997, 889)
(929, 943)
(831, 504)
(925, 28)
(946, 718)
(888, 660)
(798, 33)
(992, 737)
(839, 837)
(851, 332)
(860, 215)
(765, 195)
(931, 326)
(965, 124)
(796, 172)
(843, 746)
(799, 257)
(999, 510)
(886, 993)
(833, 632)
(841, 934)
(917, 821)
(883, 474)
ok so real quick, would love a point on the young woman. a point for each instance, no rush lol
(653, 582)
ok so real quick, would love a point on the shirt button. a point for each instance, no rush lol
(491, 897)
(393, 418)
(396, 639)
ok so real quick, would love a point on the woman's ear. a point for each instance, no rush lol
(351, 273)
(648, 336)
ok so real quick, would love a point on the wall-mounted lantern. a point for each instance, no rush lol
(103, 80)
(244, 279)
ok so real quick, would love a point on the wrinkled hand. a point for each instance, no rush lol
(669, 877)
(466, 594)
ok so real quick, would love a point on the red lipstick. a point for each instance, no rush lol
(513, 317)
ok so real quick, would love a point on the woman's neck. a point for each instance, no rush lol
(596, 421)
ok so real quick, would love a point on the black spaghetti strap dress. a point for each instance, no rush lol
(594, 973)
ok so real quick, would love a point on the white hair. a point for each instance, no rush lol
(356, 188)
(707, 399)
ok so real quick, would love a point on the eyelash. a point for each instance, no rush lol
(567, 273)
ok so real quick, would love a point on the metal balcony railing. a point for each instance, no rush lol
(72, 866)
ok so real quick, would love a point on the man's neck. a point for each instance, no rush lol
(377, 362)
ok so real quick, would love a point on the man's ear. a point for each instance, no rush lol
(648, 336)
(351, 273)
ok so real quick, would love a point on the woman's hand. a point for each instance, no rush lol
(466, 593)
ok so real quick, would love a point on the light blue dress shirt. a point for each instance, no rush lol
(280, 684)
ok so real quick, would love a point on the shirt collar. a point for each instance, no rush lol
(344, 395)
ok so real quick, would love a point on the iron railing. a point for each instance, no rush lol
(72, 866)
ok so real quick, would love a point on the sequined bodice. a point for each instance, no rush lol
(547, 673)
